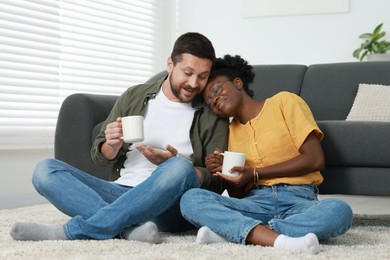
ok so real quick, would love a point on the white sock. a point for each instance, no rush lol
(147, 232)
(308, 243)
(36, 232)
(207, 236)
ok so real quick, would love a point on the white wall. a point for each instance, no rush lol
(16, 170)
(297, 39)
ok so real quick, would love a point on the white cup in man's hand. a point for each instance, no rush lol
(230, 160)
(133, 129)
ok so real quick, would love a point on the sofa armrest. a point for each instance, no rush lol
(78, 116)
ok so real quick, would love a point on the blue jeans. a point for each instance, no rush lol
(102, 209)
(292, 210)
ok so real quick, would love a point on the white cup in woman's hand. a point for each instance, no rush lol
(230, 160)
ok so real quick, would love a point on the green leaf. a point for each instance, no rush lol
(373, 43)
(375, 48)
(363, 55)
(365, 36)
(356, 53)
(378, 28)
(376, 37)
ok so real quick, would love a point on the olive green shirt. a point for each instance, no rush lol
(207, 131)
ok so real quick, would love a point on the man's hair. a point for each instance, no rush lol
(233, 67)
(195, 44)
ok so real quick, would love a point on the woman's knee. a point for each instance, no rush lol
(189, 200)
(340, 208)
(342, 214)
(194, 199)
(345, 211)
(191, 196)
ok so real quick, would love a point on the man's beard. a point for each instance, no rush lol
(175, 91)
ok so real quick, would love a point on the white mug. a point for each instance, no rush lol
(133, 129)
(230, 160)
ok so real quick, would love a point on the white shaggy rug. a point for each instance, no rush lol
(369, 238)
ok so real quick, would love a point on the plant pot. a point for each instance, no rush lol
(378, 57)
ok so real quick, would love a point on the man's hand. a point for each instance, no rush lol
(214, 161)
(157, 156)
(113, 143)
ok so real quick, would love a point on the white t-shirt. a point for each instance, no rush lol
(166, 122)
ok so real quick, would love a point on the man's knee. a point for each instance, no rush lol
(179, 167)
(42, 172)
(180, 163)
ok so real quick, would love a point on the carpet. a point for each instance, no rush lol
(369, 238)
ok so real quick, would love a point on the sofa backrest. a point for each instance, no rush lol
(330, 89)
(271, 79)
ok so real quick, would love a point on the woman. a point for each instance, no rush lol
(273, 201)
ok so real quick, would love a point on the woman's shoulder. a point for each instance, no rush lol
(287, 99)
(285, 95)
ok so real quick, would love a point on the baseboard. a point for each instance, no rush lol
(20, 200)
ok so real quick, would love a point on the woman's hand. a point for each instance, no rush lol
(214, 161)
(245, 176)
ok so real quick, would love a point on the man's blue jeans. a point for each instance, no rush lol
(102, 209)
(291, 210)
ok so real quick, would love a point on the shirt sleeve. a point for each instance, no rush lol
(299, 119)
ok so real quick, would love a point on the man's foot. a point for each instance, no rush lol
(36, 232)
(147, 232)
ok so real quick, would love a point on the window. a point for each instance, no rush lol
(51, 49)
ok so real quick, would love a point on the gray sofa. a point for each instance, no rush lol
(357, 153)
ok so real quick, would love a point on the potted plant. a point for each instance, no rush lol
(373, 46)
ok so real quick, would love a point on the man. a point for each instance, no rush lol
(154, 173)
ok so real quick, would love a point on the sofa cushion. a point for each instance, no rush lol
(372, 103)
(370, 181)
(355, 143)
(272, 79)
(330, 89)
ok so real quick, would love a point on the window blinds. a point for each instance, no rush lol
(51, 49)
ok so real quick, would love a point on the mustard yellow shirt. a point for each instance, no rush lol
(275, 135)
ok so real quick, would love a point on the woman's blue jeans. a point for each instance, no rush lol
(102, 209)
(292, 210)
